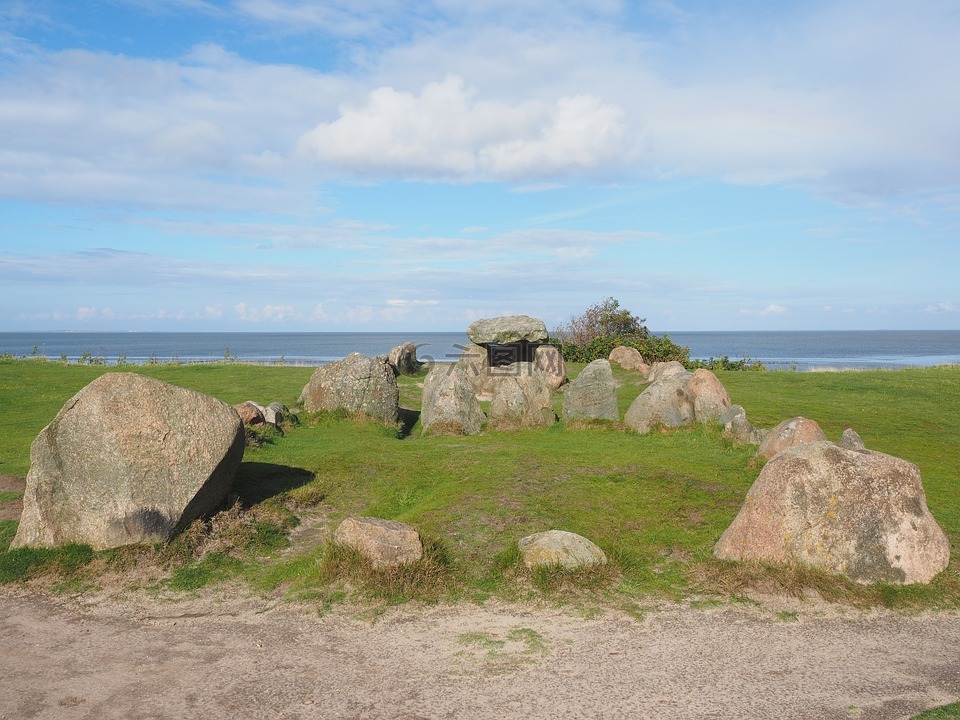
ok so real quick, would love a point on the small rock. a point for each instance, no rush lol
(851, 440)
(628, 358)
(250, 413)
(558, 547)
(385, 542)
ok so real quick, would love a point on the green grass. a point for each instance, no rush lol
(946, 712)
(654, 503)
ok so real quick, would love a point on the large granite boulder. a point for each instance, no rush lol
(710, 399)
(790, 433)
(522, 399)
(665, 402)
(358, 384)
(128, 459)
(592, 395)
(856, 512)
(559, 547)
(628, 358)
(404, 359)
(386, 543)
(549, 362)
(450, 406)
(507, 329)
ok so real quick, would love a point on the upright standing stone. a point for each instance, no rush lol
(521, 399)
(549, 362)
(450, 406)
(592, 395)
(357, 384)
(128, 459)
(404, 359)
(709, 396)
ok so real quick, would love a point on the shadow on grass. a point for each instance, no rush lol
(258, 481)
(408, 420)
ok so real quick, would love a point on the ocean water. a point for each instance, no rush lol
(799, 350)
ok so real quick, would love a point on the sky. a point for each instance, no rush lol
(393, 165)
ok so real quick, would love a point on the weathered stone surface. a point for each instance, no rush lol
(709, 396)
(558, 547)
(507, 329)
(476, 366)
(250, 413)
(522, 399)
(549, 362)
(851, 440)
(276, 413)
(404, 359)
(384, 542)
(450, 406)
(592, 395)
(128, 459)
(856, 512)
(665, 402)
(789, 433)
(660, 370)
(628, 358)
(357, 384)
(735, 424)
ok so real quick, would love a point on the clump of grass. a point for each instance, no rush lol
(945, 712)
(739, 579)
(427, 580)
(26, 563)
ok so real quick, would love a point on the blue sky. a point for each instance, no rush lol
(271, 165)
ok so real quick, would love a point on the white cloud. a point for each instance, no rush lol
(267, 313)
(446, 132)
(771, 309)
(940, 308)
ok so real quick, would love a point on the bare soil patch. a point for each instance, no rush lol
(227, 655)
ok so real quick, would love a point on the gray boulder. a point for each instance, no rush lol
(665, 402)
(450, 406)
(856, 512)
(507, 329)
(357, 384)
(549, 363)
(558, 547)
(386, 543)
(522, 399)
(128, 459)
(592, 395)
(851, 440)
(790, 433)
(736, 425)
(404, 359)
(276, 413)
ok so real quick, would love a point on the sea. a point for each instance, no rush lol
(787, 350)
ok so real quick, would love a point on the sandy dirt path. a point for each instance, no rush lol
(249, 658)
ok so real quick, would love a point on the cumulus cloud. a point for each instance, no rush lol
(445, 131)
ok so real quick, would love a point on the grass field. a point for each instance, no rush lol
(655, 503)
